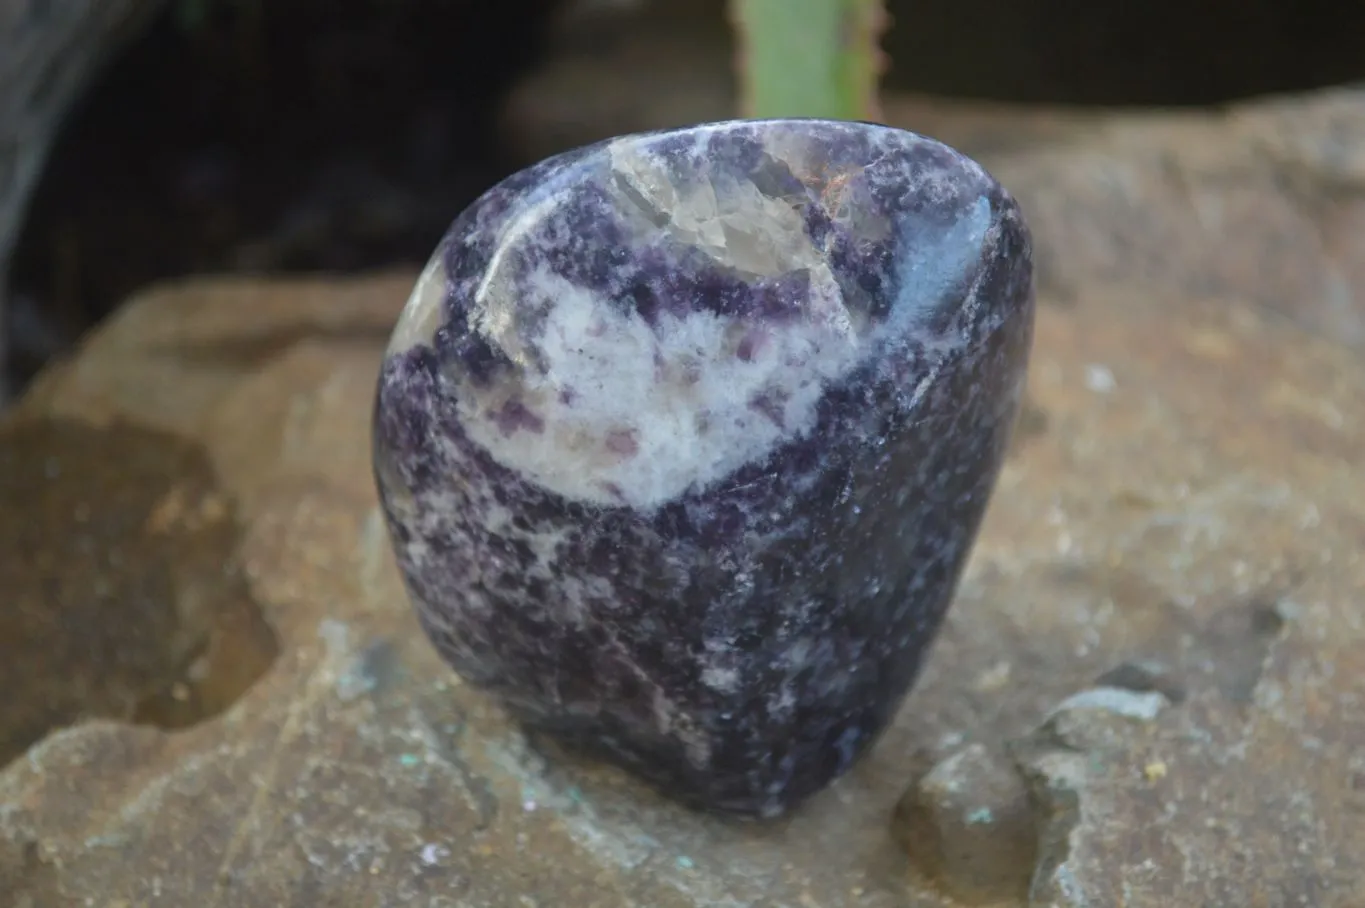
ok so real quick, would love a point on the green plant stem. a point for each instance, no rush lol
(809, 58)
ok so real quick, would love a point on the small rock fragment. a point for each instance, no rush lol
(969, 825)
(1064, 762)
(1144, 677)
(1099, 718)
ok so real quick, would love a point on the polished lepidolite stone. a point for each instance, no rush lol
(683, 439)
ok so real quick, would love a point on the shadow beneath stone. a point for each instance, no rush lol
(121, 598)
(1238, 639)
(1031, 424)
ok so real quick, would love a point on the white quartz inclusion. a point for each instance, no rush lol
(634, 414)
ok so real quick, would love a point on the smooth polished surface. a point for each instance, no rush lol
(683, 439)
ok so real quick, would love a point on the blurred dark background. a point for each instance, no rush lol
(344, 135)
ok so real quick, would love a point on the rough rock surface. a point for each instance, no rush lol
(1160, 628)
(683, 440)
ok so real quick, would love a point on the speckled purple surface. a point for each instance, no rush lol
(683, 440)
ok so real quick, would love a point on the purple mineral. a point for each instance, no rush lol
(683, 440)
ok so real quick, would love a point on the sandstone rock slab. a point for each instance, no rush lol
(1160, 630)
